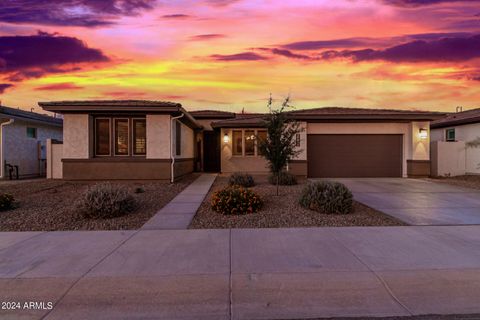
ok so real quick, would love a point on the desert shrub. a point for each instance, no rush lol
(285, 179)
(139, 190)
(106, 200)
(236, 200)
(327, 197)
(241, 179)
(6, 201)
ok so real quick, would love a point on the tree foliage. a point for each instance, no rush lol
(279, 146)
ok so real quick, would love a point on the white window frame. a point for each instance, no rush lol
(109, 137)
(454, 133)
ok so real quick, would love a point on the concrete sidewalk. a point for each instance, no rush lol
(179, 212)
(243, 273)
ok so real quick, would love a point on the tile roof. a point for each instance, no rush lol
(458, 118)
(334, 113)
(7, 112)
(112, 103)
(212, 114)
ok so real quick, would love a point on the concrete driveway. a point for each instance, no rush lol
(417, 201)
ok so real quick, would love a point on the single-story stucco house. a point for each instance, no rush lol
(450, 138)
(23, 137)
(161, 140)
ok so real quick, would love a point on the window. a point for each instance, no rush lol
(249, 142)
(262, 136)
(450, 134)
(139, 137)
(102, 137)
(297, 140)
(31, 132)
(121, 137)
(237, 143)
(178, 138)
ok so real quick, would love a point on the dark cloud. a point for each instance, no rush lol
(442, 50)
(287, 53)
(5, 86)
(23, 57)
(368, 42)
(59, 86)
(243, 56)
(211, 36)
(84, 13)
(476, 78)
(420, 3)
(176, 16)
(325, 44)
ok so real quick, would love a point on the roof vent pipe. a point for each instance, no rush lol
(459, 109)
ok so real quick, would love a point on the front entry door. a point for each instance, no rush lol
(211, 151)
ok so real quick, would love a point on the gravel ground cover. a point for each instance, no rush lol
(49, 205)
(424, 317)
(468, 181)
(284, 211)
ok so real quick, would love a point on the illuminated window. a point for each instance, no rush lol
(237, 143)
(121, 137)
(249, 142)
(139, 137)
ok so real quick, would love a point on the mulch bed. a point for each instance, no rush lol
(467, 181)
(284, 211)
(49, 205)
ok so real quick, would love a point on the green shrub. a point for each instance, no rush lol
(285, 179)
(6, 201)
(327, 197)
(236, 200)
(106, 200)
(241, 179)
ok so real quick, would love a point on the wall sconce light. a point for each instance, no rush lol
(226, 138)
(423, 133)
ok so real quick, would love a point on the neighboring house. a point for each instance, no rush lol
(161, 140)
(451, 155)
(23, 138)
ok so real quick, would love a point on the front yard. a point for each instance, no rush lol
(467, 181)
(284, 211)
(48, 205)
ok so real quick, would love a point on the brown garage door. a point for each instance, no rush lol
(354, 155)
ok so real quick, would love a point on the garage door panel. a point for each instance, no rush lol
(347, 155)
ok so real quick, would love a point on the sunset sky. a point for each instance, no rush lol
(230, 54)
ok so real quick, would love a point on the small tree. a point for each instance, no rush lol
(279, 146)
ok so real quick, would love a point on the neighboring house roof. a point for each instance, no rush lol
(333, 113)
(458, 118)
(121, 106)
(212, 114)
(337, 113)
(28, 116)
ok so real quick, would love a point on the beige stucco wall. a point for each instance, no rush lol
(464, 133)
(413, 147)
(18, 149)
(158, 136)
(76, 136)
(420, 147)
(448, 158)
(54, 160)
(187, 142)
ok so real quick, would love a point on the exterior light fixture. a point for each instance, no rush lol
(226, 138)
(423, 133)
